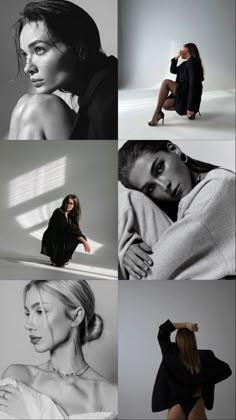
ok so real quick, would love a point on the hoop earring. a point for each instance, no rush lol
(183, 157)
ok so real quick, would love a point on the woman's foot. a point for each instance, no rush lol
(156, 118)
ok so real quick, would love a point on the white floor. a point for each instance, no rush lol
(25, 267)
(217, 122)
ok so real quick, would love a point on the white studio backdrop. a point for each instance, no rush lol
(152, 31)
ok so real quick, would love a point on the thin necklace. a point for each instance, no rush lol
(77, 372)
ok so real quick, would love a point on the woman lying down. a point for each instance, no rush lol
(176, 215)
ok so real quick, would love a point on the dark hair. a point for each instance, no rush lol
(193, 51)
(64, 22)
(134, 149)
(75, 213)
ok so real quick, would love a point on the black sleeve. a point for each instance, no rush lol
(103, 121)
(173, 67)
(192, 78)
(163, 336)
(217, 369)
(59, 223)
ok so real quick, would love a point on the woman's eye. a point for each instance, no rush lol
(26, 313)
(39, 50)
(159, 167)
(149, 189)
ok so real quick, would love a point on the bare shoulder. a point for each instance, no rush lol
(107, 390)
(22, 373)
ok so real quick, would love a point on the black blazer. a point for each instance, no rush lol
(59, 228)
(97, 117)
(175, 382)
(189, 85)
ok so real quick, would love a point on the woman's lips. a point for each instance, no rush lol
(37, 82)
(35, 340)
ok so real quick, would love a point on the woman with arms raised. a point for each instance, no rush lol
(187, 376)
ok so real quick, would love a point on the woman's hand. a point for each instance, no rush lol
(86, 246)
(178, 54)
(12, 402)
(192, 327)
(137, 261)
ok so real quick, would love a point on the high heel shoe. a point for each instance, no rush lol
(154, 122)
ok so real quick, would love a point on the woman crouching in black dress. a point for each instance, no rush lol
(63, 233)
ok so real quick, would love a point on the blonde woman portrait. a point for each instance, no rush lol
(60, 318)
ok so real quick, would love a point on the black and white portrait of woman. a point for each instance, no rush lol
(70, 70)
(177, 212)
(71, 372)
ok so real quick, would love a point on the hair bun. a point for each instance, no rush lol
(95, 328)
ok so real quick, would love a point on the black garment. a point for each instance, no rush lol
(97, 117)
(189, 85)
(187, 404)
(60, 239)
(175, 383)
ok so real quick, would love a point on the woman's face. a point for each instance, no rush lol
(163, 176)
(69, 205)
(37, 323)
(184, 52)
(50, 67)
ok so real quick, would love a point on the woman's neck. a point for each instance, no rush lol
(67, 358)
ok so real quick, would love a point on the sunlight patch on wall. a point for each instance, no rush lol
(39, 215)
(37, 182)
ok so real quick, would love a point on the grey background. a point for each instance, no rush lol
(152, 31)
(143, 306)
(90, 173)
(12, 88)
(15, 345)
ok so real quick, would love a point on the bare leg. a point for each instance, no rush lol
(166, 87)
(176, 413)
(198, 411)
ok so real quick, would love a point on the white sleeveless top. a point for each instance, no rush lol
(40, 406)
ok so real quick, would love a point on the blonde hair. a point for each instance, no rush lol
(73, 293)
(187, 345)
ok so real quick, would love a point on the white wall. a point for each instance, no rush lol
(152, 31)
(143, 306)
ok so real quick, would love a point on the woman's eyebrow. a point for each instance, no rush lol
(35, 305)
(37, 41)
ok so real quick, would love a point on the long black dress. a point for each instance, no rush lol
(189, 85)
(61, 238)
(97, 117)
(175, 384)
